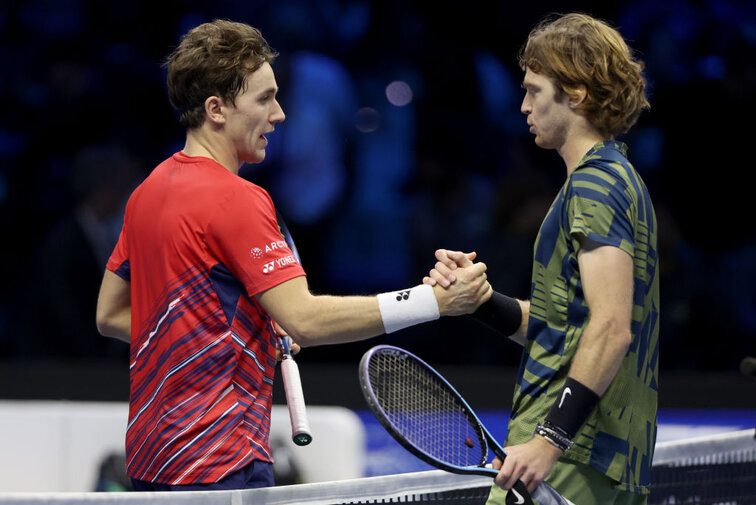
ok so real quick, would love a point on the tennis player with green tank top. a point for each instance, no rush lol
(584, 409)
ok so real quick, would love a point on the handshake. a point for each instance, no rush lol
(460, 285)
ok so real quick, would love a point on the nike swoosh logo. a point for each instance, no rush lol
(520, 499)
(567, 391)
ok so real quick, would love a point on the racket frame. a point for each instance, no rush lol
(544, 493)
(395, 432)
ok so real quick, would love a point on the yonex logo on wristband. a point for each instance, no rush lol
(407, 307)
(402, 295)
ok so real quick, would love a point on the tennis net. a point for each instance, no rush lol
(712, 470)
(429, 487)
(715, 470)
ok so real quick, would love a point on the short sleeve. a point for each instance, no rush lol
(245, 236)
(118, 262)
(599, 208)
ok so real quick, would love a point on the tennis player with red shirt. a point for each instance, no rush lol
(201, 271)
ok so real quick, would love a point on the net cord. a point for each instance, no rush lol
(705, 449)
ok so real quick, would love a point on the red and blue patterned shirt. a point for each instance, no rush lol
(197, 244)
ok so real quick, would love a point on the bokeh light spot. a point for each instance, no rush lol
(399, 93)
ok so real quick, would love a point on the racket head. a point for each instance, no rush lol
(423, 412)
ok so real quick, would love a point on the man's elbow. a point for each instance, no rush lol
(621, 337)
(625, 340)
(616, 331)
(103, 327)
(305, 325)
(304, 336)
(103, 321)
(305, 329)
(113, 327)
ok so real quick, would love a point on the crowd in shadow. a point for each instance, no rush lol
(403, 135)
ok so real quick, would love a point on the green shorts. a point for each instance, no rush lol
(580, 484)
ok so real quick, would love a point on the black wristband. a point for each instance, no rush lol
(572, 408)
(500, 313)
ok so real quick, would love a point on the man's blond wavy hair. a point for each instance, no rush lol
(577, 49)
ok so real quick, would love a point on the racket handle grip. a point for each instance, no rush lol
(300, 427)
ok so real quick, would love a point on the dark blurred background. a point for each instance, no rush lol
(403, 135)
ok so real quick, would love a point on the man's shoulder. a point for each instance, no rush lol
(201, 171)
(600, 176)
(606, 161)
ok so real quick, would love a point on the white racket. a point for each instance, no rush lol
(300, 426)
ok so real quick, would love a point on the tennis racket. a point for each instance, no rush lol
(430, 419)
(300, 426)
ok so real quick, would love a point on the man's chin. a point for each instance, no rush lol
(255, 158)
(542, 144)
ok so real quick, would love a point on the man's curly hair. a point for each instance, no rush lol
(577, 49)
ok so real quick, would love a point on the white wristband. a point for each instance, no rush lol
(400, 309)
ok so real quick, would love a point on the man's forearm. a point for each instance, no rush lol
(601, 350)
(335, 320)
(321, 319)
(113, 315)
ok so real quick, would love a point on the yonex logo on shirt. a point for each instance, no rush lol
(280, 263)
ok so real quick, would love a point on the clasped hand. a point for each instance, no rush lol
(460, 285)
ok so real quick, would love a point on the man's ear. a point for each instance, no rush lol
(214, 110)
(580, 93)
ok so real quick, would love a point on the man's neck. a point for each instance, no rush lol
(577, 147)
(199, 142)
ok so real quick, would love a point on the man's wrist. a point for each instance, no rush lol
(407, 307)
(500, 312)
(554, 436)
(571, 409)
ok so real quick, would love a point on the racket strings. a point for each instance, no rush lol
(426, 411)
